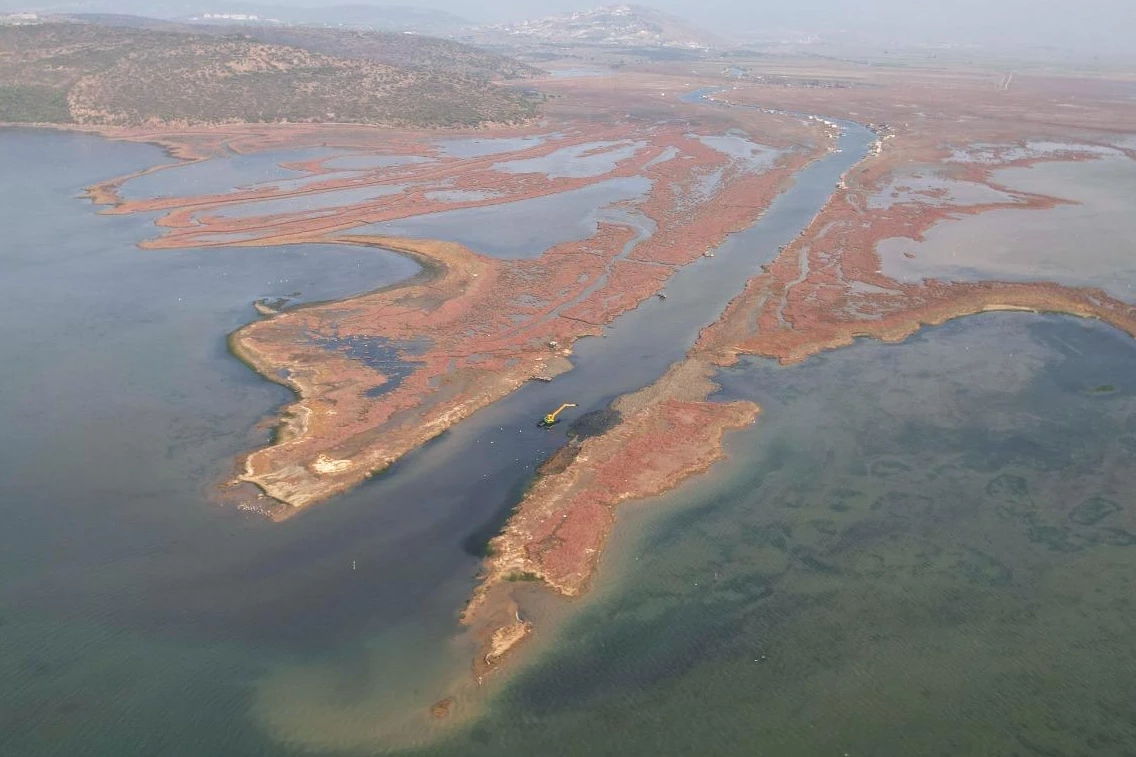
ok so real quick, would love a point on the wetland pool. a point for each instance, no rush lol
(1087, 241)
(222, 175)
(521, 228)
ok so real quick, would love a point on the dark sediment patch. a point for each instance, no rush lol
(560, 460)
(594, 423)
(383, 355)
(1093, 511)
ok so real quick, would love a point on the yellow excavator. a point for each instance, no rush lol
(551, 420)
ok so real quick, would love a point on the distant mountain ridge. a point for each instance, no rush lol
(622, 25)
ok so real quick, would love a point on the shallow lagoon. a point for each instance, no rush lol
(221, 175)
(918, 549)
(522, 228)
(371, 162)
(311, 202)
(1088, 242)
(753, 156)
(132, 610)
(577, 161)
(924, 186)
(479, 147)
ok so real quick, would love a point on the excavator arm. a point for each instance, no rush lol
(550, 419)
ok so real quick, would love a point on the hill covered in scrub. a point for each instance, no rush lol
(411, 51)
(408, 51)
(122, 76)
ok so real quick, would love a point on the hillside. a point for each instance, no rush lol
(410, 51)
(616, 25)
(90, 74)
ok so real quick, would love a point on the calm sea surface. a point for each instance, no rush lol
(919, 549)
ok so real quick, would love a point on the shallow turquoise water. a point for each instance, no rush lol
(924, 549)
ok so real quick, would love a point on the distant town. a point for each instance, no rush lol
(19, 19)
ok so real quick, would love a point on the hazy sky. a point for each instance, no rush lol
(1081, 23)
(1107, 25)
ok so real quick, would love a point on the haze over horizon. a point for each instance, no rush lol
(1098, 26)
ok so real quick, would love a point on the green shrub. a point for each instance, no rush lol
(33, 105)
